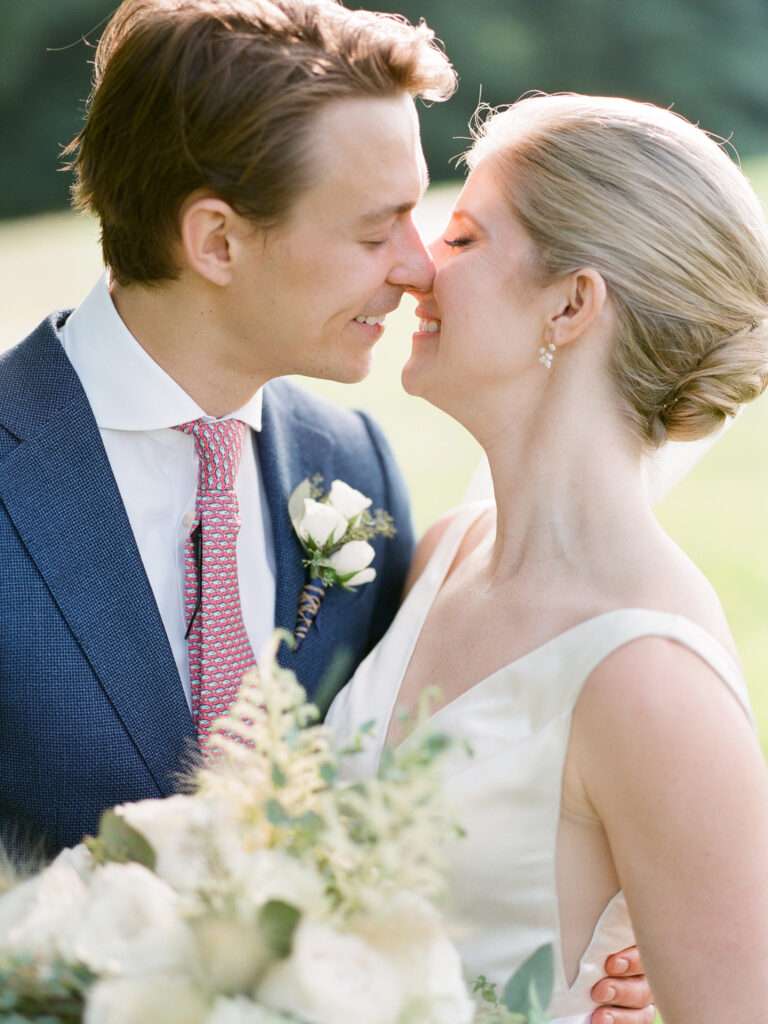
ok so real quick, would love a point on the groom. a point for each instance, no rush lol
(253, 166)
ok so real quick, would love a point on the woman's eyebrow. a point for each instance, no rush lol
(466, 215)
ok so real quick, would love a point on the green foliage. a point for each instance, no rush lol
(525, 995)
(54, 994)
(528, 992)
(278, 921)
(119, 843)
(492, 1011)
(705, 57)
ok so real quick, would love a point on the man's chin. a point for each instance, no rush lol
(348, 372)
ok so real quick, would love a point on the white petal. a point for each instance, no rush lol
(322, 523)
(132, 923)
(365, 576)
(347, 500)
(355, 556)
(333, 978)
(173, 999)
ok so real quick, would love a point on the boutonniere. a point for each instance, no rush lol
(334, 529)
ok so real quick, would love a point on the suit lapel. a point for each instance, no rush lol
(58, 488)
(289, 451)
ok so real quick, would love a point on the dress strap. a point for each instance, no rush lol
(610, 631)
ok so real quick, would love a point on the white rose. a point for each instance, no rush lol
(79, 858)
(354, 558)
(172, 999)
(131, 924)
(232, 954)
(410, 934)
(178, 830)
(39, 916)
(242, 1011)
(347, 500)
(263, 875)
(322, 523)
(332, 978)
(16, 905)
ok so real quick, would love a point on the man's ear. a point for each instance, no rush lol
(581, 300)
(209, 228)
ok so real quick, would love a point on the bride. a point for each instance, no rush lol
(602, 287)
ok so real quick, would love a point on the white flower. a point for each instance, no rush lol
(321, 523)
(172, 999)
(241, 1011)
(346, 500)
(79, 858)
(232, 953)
(38, 917)
(131, 924)
(332, 978)
(177, 828)
(354, 557)
(408, 931)
(264, 875)
(16, 906)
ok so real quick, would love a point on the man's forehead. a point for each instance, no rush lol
(381, 212)
(368, 158)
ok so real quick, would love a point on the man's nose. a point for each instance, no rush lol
(414, 269)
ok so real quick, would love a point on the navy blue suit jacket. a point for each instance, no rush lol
(92, 710)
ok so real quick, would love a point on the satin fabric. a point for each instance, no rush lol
(507, 795)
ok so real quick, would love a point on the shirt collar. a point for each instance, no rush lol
(125, 387)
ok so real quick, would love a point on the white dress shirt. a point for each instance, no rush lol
(136, 405)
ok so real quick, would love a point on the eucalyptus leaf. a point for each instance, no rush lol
(119, 842)
(278, 922)
(276, 814)
(531, 986)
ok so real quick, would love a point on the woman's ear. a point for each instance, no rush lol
(581, 300)
(208, 227)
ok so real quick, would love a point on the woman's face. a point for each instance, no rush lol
(487, 308)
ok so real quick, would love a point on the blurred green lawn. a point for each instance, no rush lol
(718, 514)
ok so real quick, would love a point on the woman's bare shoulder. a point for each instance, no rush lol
(669, 581)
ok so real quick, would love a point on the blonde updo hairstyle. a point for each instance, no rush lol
(660, 210)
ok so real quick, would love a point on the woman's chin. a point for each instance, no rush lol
(413, 377)
(421, 366)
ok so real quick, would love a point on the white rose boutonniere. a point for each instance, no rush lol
(334, 529)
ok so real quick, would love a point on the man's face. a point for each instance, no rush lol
(348, 249)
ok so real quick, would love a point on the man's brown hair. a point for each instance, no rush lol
(222, 95)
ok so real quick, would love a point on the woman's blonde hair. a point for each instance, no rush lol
(660, 210)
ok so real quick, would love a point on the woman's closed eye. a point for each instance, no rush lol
(457, 243)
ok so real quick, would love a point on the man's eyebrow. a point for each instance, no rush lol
(386, 212)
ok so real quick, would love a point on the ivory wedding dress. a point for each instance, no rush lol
(517, 721)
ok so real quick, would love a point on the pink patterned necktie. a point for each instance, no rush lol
(219, 649)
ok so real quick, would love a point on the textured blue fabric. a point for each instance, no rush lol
(92, 711)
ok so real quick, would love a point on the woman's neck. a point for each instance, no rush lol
(570, 493)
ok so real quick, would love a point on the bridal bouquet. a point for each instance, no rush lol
(271, 892)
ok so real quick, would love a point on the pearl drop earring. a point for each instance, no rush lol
(547, 355)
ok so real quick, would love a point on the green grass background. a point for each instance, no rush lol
(719, 514)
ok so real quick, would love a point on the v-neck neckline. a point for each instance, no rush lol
(442, 561)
